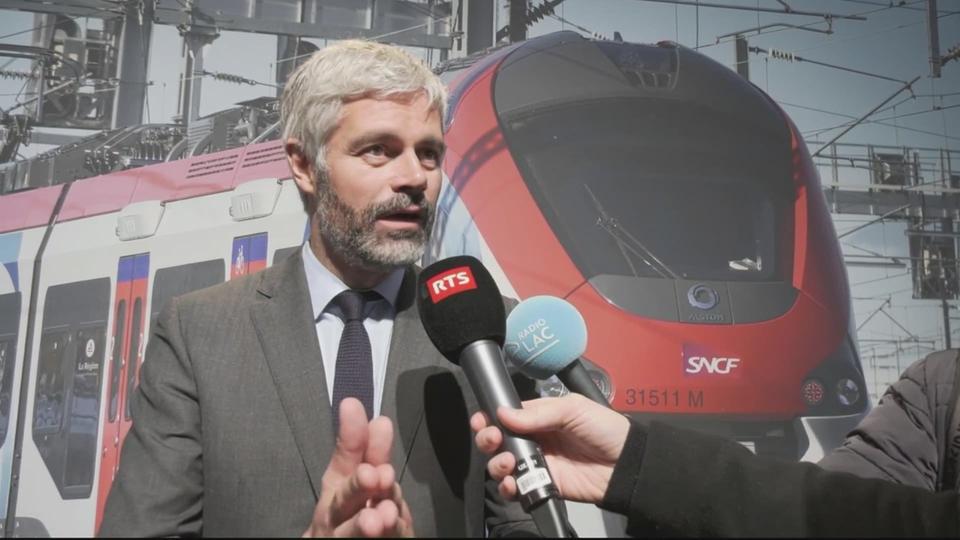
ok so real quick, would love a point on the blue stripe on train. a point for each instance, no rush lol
(9, 254)
(133, 268)
(258, 247)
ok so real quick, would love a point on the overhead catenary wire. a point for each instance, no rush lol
(237, 79)
(794, 58)
(857, 284)
(784, 11)
(819, 131)
(878, 122)
(761, 33)
(902, 4)
(373, 38)
(872, 314)
(585, 30)
(17, 103)
(865, 116)
(874, 33)
(832, 42)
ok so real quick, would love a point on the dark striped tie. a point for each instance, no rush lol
(353, 375)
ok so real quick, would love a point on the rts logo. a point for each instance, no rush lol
(710, 365)
(454, 281)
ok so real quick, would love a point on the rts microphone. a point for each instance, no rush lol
(546, 336)
(463, 314)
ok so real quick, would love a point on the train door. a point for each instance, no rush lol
(10, 313)
(126, 355)
(66, 409)
(10, 308)
(249, 254)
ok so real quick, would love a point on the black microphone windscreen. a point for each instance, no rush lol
(459, 303)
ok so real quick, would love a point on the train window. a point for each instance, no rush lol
(84, 408)
(135, 335)
(668, 189)
(116, 361)
(9, 329)
(68, 382)
(177, 280)
(51, 384)
(7, 344)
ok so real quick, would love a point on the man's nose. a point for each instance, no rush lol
(411, 173)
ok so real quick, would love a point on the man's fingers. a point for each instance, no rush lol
(380, 440)
(501, 465)
(386, 478)
(367, 523)
(404, 526)
(389, 516)
(352, 438)
(351, 496)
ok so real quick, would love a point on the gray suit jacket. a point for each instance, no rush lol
(232, 422)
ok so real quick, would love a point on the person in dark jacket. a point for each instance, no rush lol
(671, 481)
(911, 436)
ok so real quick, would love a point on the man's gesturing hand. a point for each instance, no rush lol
(360, 495)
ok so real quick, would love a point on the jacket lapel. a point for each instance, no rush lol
(283, 319)
(411, 355)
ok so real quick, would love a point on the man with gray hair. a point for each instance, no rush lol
(267, 404)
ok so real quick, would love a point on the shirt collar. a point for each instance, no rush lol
(323, 285)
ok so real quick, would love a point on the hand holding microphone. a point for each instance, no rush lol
(546, 336)
(463, 315)
(581, 441)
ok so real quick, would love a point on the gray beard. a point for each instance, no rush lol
(351, 233)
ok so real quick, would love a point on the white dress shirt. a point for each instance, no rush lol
(378, 321)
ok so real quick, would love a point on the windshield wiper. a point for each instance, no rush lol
(626, 241)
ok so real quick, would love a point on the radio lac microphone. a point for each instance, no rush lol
(546, 336)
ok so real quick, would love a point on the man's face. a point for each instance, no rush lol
(375, 207)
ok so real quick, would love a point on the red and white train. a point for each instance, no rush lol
(672, 202)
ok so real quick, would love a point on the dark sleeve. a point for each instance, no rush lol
(897, 441)
(506, 519)
(158, 490)
(690, 484)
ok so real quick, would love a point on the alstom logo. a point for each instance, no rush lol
(454, 281)
(716, 365)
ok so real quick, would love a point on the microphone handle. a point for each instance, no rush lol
(482, 362)
(576, 379)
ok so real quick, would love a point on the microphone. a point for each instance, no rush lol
(546, 336)
(463, 314)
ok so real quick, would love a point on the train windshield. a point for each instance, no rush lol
(657, 187)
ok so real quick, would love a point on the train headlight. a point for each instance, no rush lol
(602, 380)
(813, 392)
(848, 392)
(836, 386)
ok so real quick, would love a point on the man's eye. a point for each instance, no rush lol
(376, 150)
(430, 155)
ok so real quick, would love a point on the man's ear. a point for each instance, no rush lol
(301, 166)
